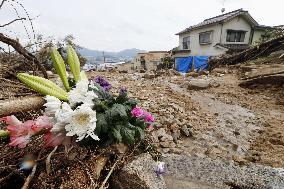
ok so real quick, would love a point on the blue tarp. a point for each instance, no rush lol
(184, 64)
(201, 63)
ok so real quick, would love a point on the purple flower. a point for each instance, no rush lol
(122, 91)
(103, 83)
(160, 168)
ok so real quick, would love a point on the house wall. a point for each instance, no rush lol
(257, 36)
(125, 67)
(219, 35)
(206, 49)
(238, 23)
(152, 59)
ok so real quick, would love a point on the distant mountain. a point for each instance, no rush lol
(127, 53)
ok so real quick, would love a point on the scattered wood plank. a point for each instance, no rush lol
(20, 105)
(262, 70)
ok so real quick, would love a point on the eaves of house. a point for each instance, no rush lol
(222, 19)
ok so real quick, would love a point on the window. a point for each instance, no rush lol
(236, 36)
(186, 42)
(205, 37)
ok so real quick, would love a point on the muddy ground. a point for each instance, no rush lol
(243, 124)
(222, 121)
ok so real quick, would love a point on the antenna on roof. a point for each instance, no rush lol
(223, 4)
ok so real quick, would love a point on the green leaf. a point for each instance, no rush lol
(60, 67)
(103, 94)
(139, 132)
(131, 102)
(102, 125)
(128, 108)
(73, 62)
(116, 112)
(140, 123)
(117, 135)
(128, 135)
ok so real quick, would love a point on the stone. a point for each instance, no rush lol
(166, 150)
(175, 135)
(161, 135)
(198, 84)
(138, 174)
(221, 174)
(149, 76)
(165, 144)
(186, 131)
(176, 150)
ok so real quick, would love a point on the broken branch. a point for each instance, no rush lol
(48, 165)
(109, 174)
(30, 177)
(2, 3)
(21, 50)
(12, 22)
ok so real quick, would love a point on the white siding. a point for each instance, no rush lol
(237, 23)
(206, 49)
(219, 35)
(257, 36)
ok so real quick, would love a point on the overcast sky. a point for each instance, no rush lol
(113, 25)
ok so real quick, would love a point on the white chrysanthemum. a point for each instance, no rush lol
(52, 105)
(82, 123)
(61, 117)
(81, 94)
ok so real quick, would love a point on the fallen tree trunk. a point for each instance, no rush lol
(20, 105)
(252, 53)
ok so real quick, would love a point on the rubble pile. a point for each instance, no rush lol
(220, 121)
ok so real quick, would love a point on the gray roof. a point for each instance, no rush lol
(220, 19)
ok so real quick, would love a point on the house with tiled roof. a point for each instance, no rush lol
(233, 31)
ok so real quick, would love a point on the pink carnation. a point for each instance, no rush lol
(137, 112)
(148, 117)
(43, 122)
(56, 139)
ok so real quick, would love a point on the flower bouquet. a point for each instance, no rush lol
(84, 111)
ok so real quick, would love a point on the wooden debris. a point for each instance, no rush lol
(258, 71)
(20, 105)
(21, 50)
(252, 53)
(30, 177)
(47, 163)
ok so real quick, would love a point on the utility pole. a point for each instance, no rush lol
(104, 57)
